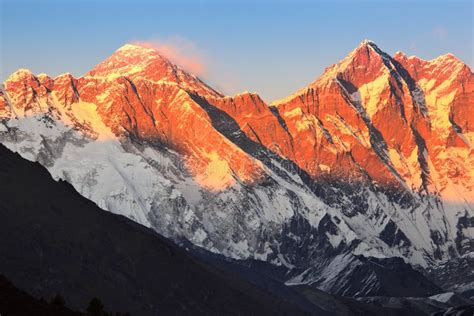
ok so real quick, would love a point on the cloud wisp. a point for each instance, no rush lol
(180, 51)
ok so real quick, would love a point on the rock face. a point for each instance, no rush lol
(374, 158)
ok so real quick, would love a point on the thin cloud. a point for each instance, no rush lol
(180, 51)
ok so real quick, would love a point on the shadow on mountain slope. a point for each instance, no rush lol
(55, 241)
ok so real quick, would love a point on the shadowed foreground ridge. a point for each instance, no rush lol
(14, 302)
(55, 241)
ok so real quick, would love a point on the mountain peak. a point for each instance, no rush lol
(130, 60)
(134, 47)
(448, 57)
(66, 75)
(367, 42)
(136, 61)
(367, 46)
(400, 54)
(365, 60)
(136, 50)
(20, 74)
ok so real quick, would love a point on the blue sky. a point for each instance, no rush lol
(270, 47)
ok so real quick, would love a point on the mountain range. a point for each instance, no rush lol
(369, 165)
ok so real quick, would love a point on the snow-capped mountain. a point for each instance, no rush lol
(372, 159)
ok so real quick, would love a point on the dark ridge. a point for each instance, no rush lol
(276, 113)
(15, 302)
(53, 240)
(421, 146)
